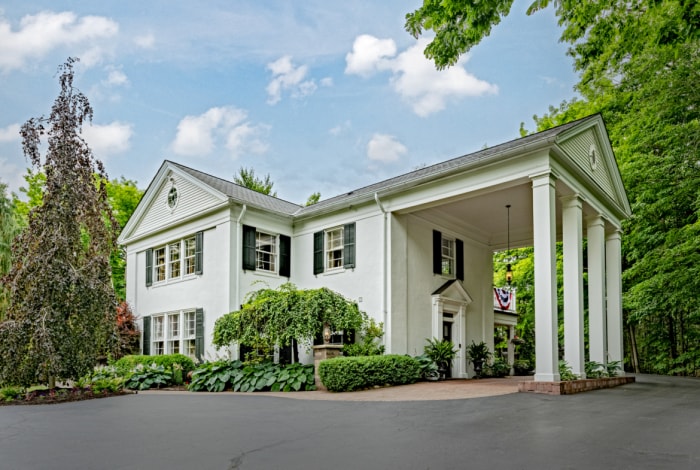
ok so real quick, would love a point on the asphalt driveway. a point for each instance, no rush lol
(654, 423)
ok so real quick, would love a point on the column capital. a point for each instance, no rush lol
(572, 200)
(595, 220)
(544, 178)
(615, 234)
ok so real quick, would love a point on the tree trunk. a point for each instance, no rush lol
(633, 345)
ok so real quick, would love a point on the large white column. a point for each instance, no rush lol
(596, 289)
(613, 267)
(544, 230)
(511, 349)
(572, 235)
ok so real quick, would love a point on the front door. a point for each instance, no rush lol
(447, 336)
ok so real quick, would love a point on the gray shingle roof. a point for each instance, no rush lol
(240, 193)
(247, 196)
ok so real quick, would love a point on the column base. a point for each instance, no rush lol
(547, 377)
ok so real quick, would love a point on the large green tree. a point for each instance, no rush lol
(9, 228)
(62, 311)
(639, 66)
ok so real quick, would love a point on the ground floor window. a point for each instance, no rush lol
(178, 332)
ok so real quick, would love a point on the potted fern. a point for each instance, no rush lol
(478, 354)
(441, 351)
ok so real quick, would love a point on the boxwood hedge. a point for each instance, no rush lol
(128, 363)
(345, 374)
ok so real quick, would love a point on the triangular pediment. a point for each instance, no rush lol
(453, 290)
(588, 147)
(172, 197)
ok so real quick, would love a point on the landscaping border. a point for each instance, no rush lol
(570, 387)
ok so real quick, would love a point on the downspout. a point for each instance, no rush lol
(238, 268)
(384, 274)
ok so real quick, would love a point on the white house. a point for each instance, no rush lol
(415, 251)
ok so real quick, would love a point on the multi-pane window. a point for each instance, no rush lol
(334, 248)
(265, 252)
(448, 256)
(174, 259)
(174, 333)
(188, 333)
(158, 335)
(159, 264)
(189, 255)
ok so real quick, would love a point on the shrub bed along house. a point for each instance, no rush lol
(240, 377)
(345, 374)
(127, 364)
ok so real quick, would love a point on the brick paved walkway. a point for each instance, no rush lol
(422, 391)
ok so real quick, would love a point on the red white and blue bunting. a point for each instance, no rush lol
(504, 297)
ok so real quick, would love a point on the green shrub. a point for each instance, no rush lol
(522, 367)
(127, 363)
(428, 368)
(345, 374)
(145, 377)
(214, 376)
(246, 377)
(499, 368)
(10, 393)
(565, 372)
(110, 385)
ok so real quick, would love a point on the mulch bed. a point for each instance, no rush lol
(62, 395)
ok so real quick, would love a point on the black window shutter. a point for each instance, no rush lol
(459, 259)
(437, 252)
(199, 334)
(285, 256)
(149, 267)
(199, 253)
(349, 246)
(318, 253)
(146, 346)
(248, 248)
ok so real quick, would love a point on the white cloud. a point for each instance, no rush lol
(340, 128)
(385, 148)
(414, 77)
(369, 54)
(147, 41)
(326, 81)
(116, 77)
(109, 139)
(38, 34)
(200, 135)
(285, 76)
(9, 133)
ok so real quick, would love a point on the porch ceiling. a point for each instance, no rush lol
(484, 216)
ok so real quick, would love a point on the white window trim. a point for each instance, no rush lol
(326, 250)
(451, 257)
(183, 266)
(274, 255)
(167, 339)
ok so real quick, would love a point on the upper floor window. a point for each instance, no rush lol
(448, 256)
(263, 251)
(334, 248)
(173, 259)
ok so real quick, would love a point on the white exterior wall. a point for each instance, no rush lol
(362, 284)
(420, 283)
(210, 291)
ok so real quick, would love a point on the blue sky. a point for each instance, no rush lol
(323, 96)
